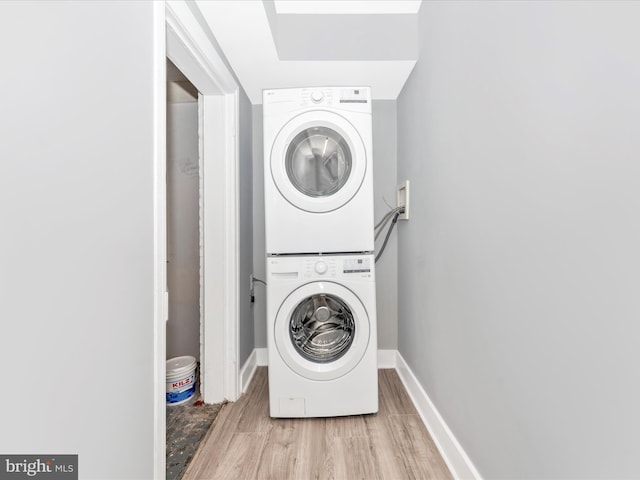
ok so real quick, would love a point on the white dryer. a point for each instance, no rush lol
(318, 170)
(322, 335)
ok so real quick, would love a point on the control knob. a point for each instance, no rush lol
(321, 267)
(317, 96)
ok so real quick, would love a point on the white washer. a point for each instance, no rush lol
(318, 170)
(322, 335)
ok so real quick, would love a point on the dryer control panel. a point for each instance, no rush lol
(351, 99)
(335, 96)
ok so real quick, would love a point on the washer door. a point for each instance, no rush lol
(322, 330)
(318, 161)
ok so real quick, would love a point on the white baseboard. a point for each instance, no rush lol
(262, 356)
(449, 447)
(387, 358)
(248, 369)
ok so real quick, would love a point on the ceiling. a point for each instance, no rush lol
(294, 43)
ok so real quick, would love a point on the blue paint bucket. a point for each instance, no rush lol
(181, 379)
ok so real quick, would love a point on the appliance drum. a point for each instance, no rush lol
(318, 161)
(322, 328)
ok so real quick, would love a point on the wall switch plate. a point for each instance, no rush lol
(402, 199)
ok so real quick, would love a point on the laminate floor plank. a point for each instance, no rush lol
(213, 447)
(241, 459)
(393, 397)
(420, 457)
(255, 416)
(388, 461)
(351, 459)
(244, 443)
(312, 448)
(344, 427)
(278, 458)
(293, 449)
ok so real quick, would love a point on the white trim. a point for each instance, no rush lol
(179, 36)
(249, 369)
(455, 457)
(160, 313)
(210, 75)
(201, 232)
(189, 47)
(214, 329)
(219, 325)
(230, 254)
(262, 357)
(387, 358)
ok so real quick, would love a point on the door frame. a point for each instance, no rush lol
(181, 35)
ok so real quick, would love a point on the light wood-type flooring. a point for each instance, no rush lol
(245, 443)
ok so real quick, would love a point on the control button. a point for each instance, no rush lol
(317, 96)
(321, 268)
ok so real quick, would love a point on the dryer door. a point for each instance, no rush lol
(322, 330)
(318, 161)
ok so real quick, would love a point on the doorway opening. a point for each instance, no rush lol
(188, 418)
(183, 216)
(182, 37)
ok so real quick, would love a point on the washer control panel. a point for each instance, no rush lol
(325, 267)
(338, 266)
(318, 267)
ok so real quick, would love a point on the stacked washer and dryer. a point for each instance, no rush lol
(321, 306)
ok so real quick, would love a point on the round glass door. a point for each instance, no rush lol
(322, 328)
(318, 161)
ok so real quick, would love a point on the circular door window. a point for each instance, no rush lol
(321, 330)
(318, 161)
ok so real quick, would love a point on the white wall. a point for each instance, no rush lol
(518, 293)
(384, 192)
(76, 194)
(259, 248)
(246, 334)
(384, 179)
(183, 230)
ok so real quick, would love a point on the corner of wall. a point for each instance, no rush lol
(452, 452)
